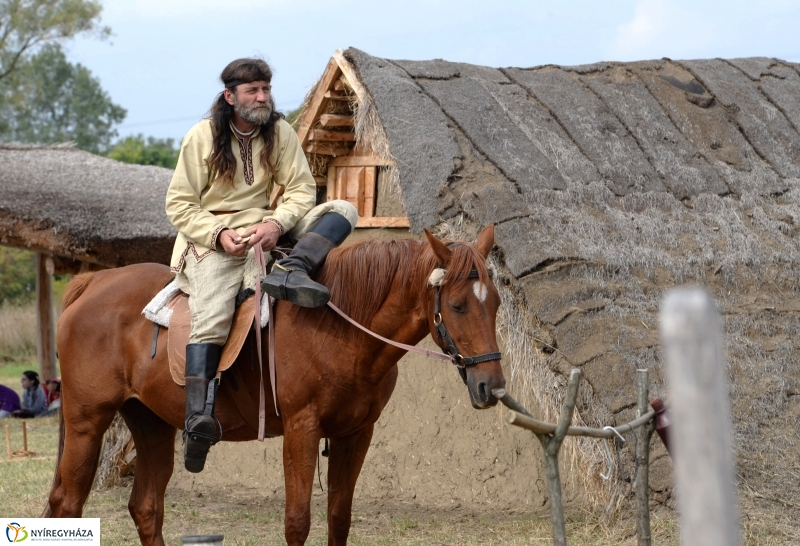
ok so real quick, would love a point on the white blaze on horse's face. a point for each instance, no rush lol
(480, 291)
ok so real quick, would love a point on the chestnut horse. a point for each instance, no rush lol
(333, 380)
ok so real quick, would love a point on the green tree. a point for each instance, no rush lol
(17, 275)
(26, 25)
(49, 99)
(149, 151)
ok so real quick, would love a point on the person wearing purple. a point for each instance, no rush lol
(9, 401)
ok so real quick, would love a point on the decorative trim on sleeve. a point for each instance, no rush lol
(220, 229)
(276, 222)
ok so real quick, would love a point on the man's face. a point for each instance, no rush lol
(252, 101)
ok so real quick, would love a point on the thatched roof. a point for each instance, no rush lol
(73, 204)
(609, 184)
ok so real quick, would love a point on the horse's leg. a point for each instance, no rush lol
(346, 457)
(155, 448)
(83, 438)
(299, 462)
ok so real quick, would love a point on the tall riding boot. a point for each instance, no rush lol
(202, 360)
(290, 277)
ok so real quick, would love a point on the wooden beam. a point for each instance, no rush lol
(384, 222)
(338, 96)
(321, 180)
(46, 341)
(340, 85)
(331, 74)
(327, 149)
(350, 75)
(335, 120)
(331, 182)
(333, 136)
(359, 161)
(370, 179)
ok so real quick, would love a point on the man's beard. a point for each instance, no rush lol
(257, 113)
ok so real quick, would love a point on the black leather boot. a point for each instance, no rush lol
(202, 360)
(290, 278)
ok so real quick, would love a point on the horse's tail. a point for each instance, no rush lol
(48, 513)
(75, 288)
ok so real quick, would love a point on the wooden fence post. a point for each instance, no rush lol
(643, 435)
(551, 444)
(45, 326)
(700, 433)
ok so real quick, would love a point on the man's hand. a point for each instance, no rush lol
(233, 243)
(264, 233)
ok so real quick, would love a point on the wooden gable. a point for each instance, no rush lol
(339, 162)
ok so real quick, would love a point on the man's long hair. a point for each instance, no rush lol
(222, 164)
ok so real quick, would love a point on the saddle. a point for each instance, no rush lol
(180, 325)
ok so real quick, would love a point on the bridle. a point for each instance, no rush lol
(446, 342)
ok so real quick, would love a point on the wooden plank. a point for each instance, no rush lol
(384, 222)
(321, 180)
(331, 74)
(331, 182)
(353, 183)
(340, 85)
(360, 196)
(700, 434)
(370, 178)
(360, 161)
(332, 136)
(46, 346)
(338, 96)
(350, 75)
(335, 120)
(341, 184)
(327, 149)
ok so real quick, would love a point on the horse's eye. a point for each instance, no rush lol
(458, 308)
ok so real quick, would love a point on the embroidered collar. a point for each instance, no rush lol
(241, 134)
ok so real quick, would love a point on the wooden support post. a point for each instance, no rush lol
(643, 435)
(46, 346)
(700, 435)
(8, 441)
(25, 436)
(551, 444)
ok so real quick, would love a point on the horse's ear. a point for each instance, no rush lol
(440, 249)
(486, 241)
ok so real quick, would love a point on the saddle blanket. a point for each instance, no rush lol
(159, 312)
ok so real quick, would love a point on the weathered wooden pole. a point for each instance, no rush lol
(551, 444)
(700, 436)
(643, 435)
(46, 341)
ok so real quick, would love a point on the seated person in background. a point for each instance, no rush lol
(34, 399)
(53, 388)
(9, 401)
(53, 396)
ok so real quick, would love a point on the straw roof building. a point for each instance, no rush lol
(608, 184)
(83, 210)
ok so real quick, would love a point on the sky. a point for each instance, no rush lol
(163, 60)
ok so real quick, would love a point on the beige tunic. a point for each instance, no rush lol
(193, 199)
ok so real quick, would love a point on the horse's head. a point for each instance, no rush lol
(463, 314)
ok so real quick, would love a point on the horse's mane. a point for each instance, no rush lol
(360, 276)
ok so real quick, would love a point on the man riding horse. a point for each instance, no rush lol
(219, 201)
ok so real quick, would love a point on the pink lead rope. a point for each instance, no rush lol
(409, 348)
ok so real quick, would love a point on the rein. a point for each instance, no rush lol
(450, 351)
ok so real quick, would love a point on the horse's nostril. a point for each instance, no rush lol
(483, 392)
